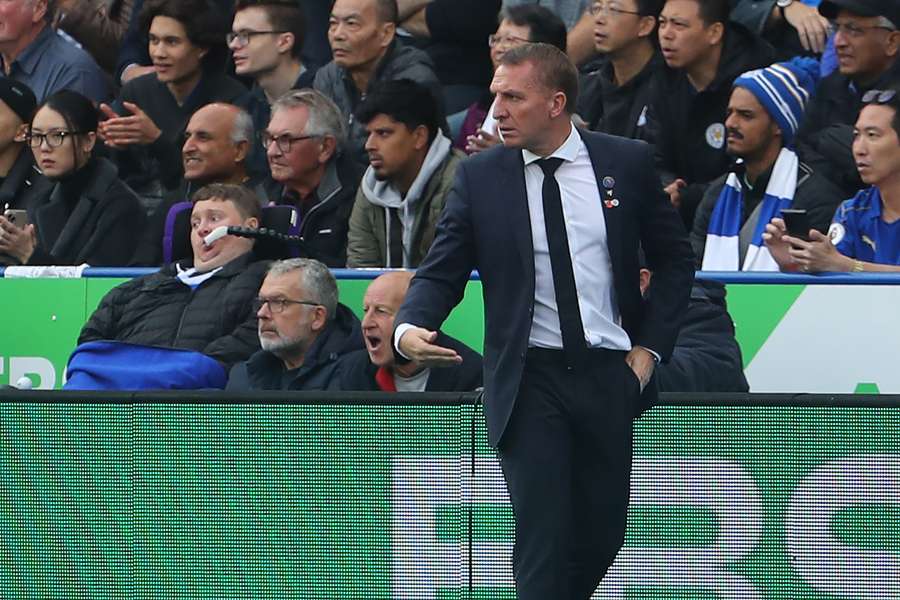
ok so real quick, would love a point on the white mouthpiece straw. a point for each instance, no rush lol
(217, 234)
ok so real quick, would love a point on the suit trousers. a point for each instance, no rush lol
(566, 458)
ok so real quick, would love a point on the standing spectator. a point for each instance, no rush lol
(266, 42)
(33, 53)
(614, 98)
(98, 25)
(411, 169)
(703, 53)
(187, 47)
(765, 108)
(89, 215)
(865, 234)
(304, 143)
(867, 44)
(362, 35)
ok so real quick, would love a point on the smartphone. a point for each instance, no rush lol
(17, 217)
(797, 222)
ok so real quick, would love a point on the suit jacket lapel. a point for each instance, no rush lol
(515, 206)
(605, 167)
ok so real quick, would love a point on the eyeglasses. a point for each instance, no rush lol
(277, 305)
(283, 141)
(54, 139)
(879, 96)
(243, 37)
(855, 31)
(611, 10)
(508, 40)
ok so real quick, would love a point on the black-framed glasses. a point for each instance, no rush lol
(277, 305)
(610, 9)
(856, 30)
(243, 37)
(509, 40)
(879, 96)
(283, 141)
(54, 139)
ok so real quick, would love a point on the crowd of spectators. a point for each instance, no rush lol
(355, 113)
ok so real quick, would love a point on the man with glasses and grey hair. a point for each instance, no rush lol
(867, 44)
(303, 330)
(304, 145)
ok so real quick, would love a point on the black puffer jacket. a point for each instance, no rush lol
(265, 371)
(688, 127)
(216, 319)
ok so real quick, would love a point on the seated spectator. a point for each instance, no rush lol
(376, 368)
(20, 180)
(303, 330)
(518, 25)
(217, 141)
(362, 36)
(187, 47)
(98, 25)
(765, 107)
(793, 27)
(452, 33)
(202, 304)
(576, 18)
(88, 215)
(703, 54)
(33, 53)
(304, 143)
(865, 234)
(266, 43)
(615, 96)
(411, 169)
(867, 43)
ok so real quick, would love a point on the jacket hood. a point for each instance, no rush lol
(385, 194)
(342, 335)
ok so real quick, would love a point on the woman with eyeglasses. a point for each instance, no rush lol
(88, 215)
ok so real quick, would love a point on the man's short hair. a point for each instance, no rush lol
(650, 8)
(242, 130)
(246, 202)
(286, 15)
(554, 69)
(203, 23)
(324, 116)
(315, 278)
(386, 11)
(893, 102)
(544, 24)
(714, 11)
(405, 101)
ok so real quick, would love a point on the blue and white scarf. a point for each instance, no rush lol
(722, 252)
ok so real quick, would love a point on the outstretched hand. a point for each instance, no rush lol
(418, 345)
(137, 128)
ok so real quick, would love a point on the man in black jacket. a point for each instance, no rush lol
(304, 143)
(867, 43)
(303, 330)
(202, 304)
(375, 368)
(703, 54)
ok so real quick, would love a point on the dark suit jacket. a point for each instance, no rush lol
(485, 226)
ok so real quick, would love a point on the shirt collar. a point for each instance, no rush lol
(568, 151)
(29, 57)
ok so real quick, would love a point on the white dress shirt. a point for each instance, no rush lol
(586, 229)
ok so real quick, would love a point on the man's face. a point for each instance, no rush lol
(289, 333)
(380, 306)
(876, 147)
(392, 146)
(11, 127)
(208, 215)
(356, 35)
(864, 49)
(748, 126)
(263, 52)
(18, 17)
(209, 154)
(301, 163)
(523, 105)
(616, 25)
(683, 37)
(508, 36)
(173, 55)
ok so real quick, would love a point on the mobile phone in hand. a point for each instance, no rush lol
(17, 217)
(797, 222)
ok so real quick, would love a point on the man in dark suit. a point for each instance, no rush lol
(552, 221)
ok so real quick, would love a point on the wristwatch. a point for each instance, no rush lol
(783, 4)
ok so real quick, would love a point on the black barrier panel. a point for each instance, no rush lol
(209, 495)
